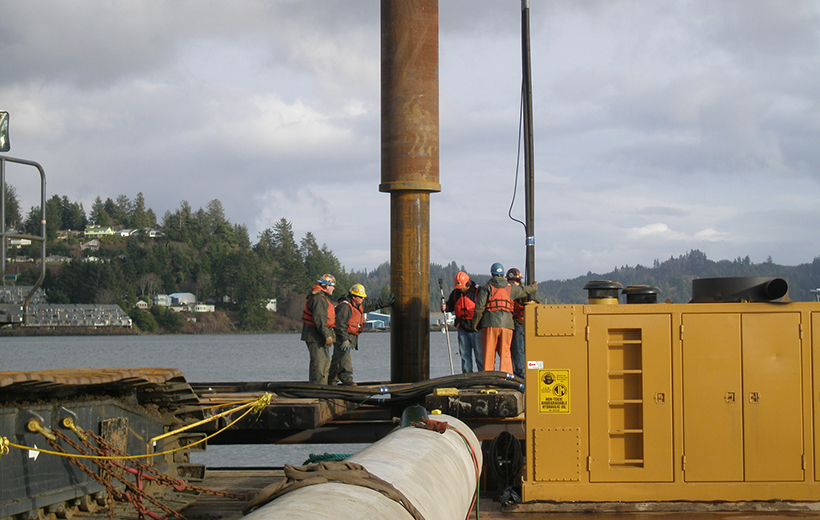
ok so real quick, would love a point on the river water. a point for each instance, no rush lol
(219, 358)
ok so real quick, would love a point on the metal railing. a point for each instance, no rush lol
(5, 235)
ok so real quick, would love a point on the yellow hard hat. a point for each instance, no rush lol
(358, 290)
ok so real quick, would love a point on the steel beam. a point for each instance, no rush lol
(410, 169)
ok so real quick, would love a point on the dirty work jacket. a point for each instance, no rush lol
(344, 313)
(318, 303)
(498, 318)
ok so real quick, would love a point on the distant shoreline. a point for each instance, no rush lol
(116, 331)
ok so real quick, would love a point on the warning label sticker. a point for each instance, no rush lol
(553, 391)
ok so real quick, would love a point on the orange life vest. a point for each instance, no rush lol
(464, 307)
(518, 310)
(355, 325)
(307, 314)
(499, 299)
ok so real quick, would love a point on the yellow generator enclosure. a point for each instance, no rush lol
(672, 402)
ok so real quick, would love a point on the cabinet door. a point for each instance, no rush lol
(773, 399)
(630, 398)
(815, 351)
(712, 398)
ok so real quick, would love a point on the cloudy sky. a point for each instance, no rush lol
(660, 127)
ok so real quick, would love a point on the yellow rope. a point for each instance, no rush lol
(256, 405)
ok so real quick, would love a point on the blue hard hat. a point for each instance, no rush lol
(497, 269)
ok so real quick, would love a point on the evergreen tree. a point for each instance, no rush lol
(12, 208)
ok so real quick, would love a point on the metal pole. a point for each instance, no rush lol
(444, 327)
(529, 166)
(410, 168)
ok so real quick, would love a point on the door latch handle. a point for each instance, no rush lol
(729, 397)
(754, 397)
(660, 397)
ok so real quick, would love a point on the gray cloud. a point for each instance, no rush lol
(660, 127)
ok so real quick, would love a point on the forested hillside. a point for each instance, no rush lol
(202, 252)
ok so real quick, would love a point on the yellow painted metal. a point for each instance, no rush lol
(670, 402)
(630, 411)
(814, 397)
(773, 438)
(712, 398)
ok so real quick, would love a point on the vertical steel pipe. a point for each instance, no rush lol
(410, 170)
(529, 163)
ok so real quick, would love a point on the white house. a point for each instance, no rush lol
(91, 244)
(98, 231)
(17, 243)
(160, 299)
(185, 298)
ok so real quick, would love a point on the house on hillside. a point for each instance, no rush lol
(98, 231)
(182, 298)
(91, 244)
(17, 243)
(161, 299)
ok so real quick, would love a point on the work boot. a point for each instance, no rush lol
(349, 383)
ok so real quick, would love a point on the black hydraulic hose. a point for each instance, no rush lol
(391, 394)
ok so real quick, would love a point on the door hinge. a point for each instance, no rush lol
(589, 463)
(681, 332)
(586, 333)
(800, 330)
(803, 460)
(683, 462)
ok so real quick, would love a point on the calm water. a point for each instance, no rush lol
(215, 358)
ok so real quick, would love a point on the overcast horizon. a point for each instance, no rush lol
(660, 127)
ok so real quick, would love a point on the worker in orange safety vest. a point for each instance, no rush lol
(494, 317)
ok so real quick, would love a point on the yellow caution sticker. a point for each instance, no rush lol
(553, 391)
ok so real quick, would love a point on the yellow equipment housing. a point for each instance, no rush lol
(672, 402)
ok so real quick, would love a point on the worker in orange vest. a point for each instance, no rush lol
(494, 317)
(462, 302)
(318, 322)
(350, 318)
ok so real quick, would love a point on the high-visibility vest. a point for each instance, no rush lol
(499, 299)
(518, 310)
(307, 314)
(465, 306)
(355, 325)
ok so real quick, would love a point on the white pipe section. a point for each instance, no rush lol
(434, 471)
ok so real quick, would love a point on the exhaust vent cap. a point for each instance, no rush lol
(603, 292)
(641, 294)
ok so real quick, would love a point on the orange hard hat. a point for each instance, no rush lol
(461, 280)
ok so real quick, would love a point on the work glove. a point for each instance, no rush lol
(392, 299)
(328, 341)
(345, 345)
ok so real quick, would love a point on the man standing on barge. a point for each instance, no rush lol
(350, 313)
(462, 303)
(494, 316)
(318, 321)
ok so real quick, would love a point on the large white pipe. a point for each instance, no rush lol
(435, 471)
